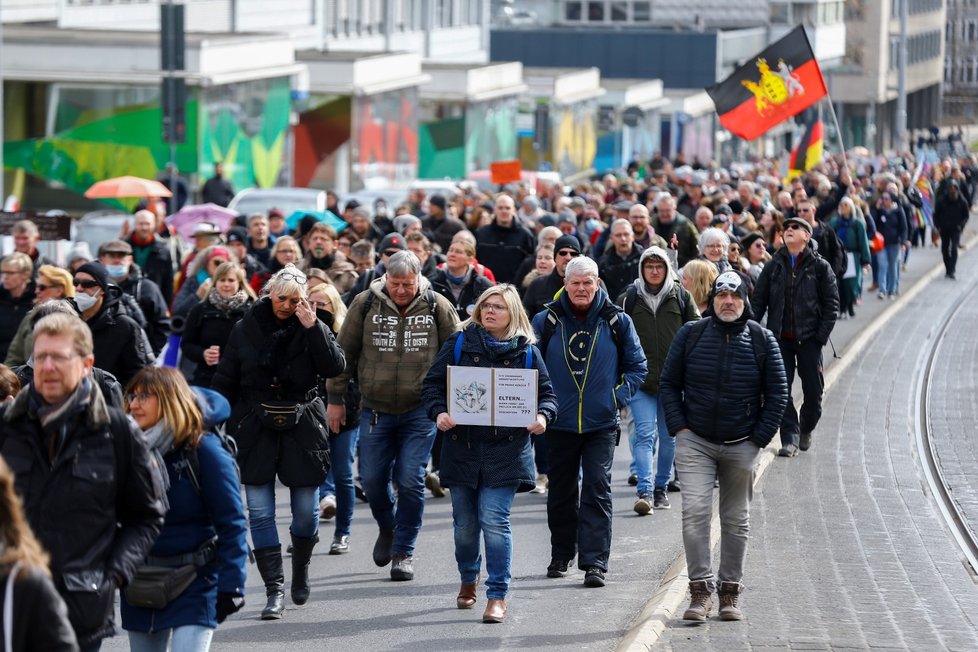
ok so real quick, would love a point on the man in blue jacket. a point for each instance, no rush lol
(596, 363)
(723, 388)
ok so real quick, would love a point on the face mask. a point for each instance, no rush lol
(85, 301)
(381, 211)
(117, 271)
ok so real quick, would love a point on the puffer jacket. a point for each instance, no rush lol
(657, 328)
(716, 389)
(269, 361)
(490, 456)
(194, 519)
(609, 383)
(389, 352)
(800, 303)
(96, 507)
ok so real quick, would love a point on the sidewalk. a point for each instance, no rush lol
(847, 550)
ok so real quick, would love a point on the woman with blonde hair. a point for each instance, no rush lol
(205, 521)
(209, 323)
(52, 283)
(272, 372)
(200, 278)
(485, 466)
(698, 276)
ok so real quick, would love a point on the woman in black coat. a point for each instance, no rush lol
(485, 466)
(271, 371)
(210, 322)
(458, 280)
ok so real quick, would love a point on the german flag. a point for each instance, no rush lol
(808, 152)
(780, 82)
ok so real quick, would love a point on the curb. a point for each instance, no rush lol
(668, 597)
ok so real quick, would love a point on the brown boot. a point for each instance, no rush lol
(466, 596)
(729, 593)
(700, 602)
(495, 612)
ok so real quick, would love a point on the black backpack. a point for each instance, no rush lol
(609, 312)
(193, 461)
(757, 337)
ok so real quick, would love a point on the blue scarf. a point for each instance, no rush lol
(497, 348)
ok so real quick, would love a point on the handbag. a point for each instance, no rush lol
(877, 243)
(280, 415)
(163, 579)
(154, 587)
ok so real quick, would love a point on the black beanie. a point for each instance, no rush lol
(567, 242)
(98, 272)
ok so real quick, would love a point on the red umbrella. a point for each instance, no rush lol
(121, 187)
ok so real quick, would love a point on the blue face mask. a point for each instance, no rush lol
(117, 271)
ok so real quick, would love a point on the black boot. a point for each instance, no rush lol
(269, 562)
(301, 554)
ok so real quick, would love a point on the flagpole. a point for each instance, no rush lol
(838, 130)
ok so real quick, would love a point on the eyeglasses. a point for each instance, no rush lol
(569, 252)
(715, 245)
(85, 284)
(55, 358)
(10, 272)
(316, 305)
(136, 397)
(494, 307)
(298, 278)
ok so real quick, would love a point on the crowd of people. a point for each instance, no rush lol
(321, 360)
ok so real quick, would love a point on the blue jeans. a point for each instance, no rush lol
(889, 261)
(261, 513)
(339, 480)
(189, 638)
(650, 428)
(484, 509)
(396, 447)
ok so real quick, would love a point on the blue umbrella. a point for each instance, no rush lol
(292, 221)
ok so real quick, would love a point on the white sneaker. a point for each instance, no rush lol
(327, 507)
(541, 487)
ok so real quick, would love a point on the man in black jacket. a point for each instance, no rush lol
(67, 448)
(798, 292)
(544, 289)
(503, 245)
(619, 265)
(152, 253)
(116, 257)
(950, 216)
(723, 389)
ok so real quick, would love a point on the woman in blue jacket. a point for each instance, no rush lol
(205, 524)
(486, 466)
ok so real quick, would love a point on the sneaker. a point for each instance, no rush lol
(660, 499)
(593, 578)
(541, 487)
(633, 480)
(881, 296)
(557, 567)
(402, 570)
(805, 441)
(382, 548)
(327, 507)
(788, 451)
(433, 484)
(643, 505)
(674, 486)
(340, 545)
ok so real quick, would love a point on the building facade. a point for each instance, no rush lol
(961, 63)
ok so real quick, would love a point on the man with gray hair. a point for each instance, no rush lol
(26, 236)
(593, 354)
(391, 335)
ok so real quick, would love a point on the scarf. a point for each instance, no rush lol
(227, 304)
(160, 442)
(497, 348)
(55, 418)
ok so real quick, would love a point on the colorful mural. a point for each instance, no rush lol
(385, 141)
(321, 131)
(454, 147)
(573, 130)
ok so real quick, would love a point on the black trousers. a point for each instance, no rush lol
(580, 518)
(805, 358)
(950, 240)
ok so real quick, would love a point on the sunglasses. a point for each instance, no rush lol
(568, 252)
(788, 227)
(43, 288)
(84, 284)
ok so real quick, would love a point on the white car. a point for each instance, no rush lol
(289, 200)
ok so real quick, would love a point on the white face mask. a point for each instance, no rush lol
(85, 301)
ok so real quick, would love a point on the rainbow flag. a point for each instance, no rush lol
(926, 212)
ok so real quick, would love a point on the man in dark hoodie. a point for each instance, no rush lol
(723, 403)
(121, 346)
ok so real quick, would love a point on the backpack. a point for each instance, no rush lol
(609, 312)
(757, 337)
(458, 351)
(193, 461)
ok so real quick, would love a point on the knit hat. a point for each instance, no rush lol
(567, 242)
(750, 239)
(98, 272)
(730, 282)
(237, 234)
(437, 200)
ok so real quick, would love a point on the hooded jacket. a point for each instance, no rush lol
(152, 304)
(714, 386)
(608, 383)
(658, 318)
(390, 351)
(121, 346)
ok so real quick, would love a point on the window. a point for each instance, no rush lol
(572, 11)
(641, 12)
(595, 12)
(619, 12)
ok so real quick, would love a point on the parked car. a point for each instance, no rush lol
(289, 200)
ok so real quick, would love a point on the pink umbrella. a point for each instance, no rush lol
(188, 217)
